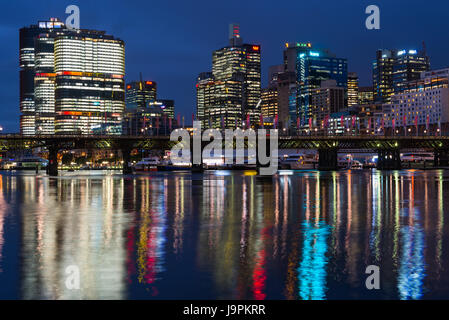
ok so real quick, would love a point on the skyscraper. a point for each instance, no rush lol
(70, 80)
(90, 91)
(393, 68)
(312, 67)
(408, 66)
(140, 93)
(353, 89)
(231, 93)
(37, 77)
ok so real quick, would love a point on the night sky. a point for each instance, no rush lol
(170, 42)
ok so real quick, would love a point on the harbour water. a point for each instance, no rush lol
(225, 235)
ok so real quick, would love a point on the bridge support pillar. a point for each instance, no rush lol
(52, 167)
(389, 159)
(126, 155)
(441, 158)
(328, 159)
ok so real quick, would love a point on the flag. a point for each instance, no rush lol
(342, 119)
(276, 121)
(427, 122)
(394, 124)
(247, 121)
(179, 120)
(297, 123)
(310, 123)
(169, 124)
(353, 121)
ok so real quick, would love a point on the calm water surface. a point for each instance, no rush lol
(225, 235)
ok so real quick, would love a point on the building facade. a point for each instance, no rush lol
(314, 66)
(90, 90)
(231, 93)
(37, 77)
(353, 89)
(393, 68)
(423, 102)
(140, 93)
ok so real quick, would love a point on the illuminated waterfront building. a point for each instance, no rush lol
(231, 93)
(140, 93)
(393, 68)
(422, 102)
(36, 59)
(312, 67)
(353, 89)
(90, 90)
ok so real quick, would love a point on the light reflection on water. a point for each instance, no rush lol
(305, 235)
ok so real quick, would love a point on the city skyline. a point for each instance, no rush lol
(184, 78)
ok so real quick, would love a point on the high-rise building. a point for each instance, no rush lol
(37, 77)
(312, 67)
(408, 66)
(353, 89)
(205, 90)
(70, 80)
(393, 68)
(90, 90)
(140, 93)
(326, 100)
(232, 92)
(269, 104)
(365, 95)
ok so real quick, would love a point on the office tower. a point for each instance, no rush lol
(205, 97)
(286, 86)
(36, 59)
(140, 93)
(365, 95)
(326, 100)
(231, 93)
(90, 90)
(421, 102)
(314, 66)
(383, 75)
(408, 65)
(393, 68)
(291, 52)
(353, 89)
(269, 104)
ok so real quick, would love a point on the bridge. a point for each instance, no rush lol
(387, 147)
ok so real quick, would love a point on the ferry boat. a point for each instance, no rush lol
(147, 164)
